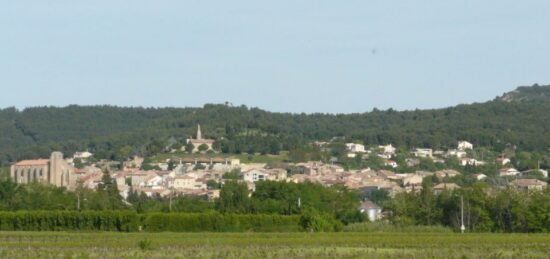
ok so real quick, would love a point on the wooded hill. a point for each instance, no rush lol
(520, 118)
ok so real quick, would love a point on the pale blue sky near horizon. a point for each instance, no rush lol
(284, 56)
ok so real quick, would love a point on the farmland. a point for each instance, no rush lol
(271, 245)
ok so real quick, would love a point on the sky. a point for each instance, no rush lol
(284, 56)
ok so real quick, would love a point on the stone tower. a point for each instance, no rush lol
(56, 174)
(199, 133)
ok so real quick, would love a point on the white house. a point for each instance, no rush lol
(471, 162)
(351, 155)
(154, 182)
(390, 163)
(508, 172)
(255, 175)
(388, 149)
(373, 211)
(463, 145)
(423, 152)
(352, 147)
(480, 177)
(456, 153)
(503, 160)
(82, 155)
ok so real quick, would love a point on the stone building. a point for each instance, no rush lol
(55, 171)
(199, 141)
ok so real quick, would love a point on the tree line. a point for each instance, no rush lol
(484, 209)
(117, 133)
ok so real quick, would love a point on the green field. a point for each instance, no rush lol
(272, 245)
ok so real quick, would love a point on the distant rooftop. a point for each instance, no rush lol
(36, 162)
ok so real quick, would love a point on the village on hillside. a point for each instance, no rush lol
(201, 172)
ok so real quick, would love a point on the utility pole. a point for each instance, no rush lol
(170, 200)
(462, 228)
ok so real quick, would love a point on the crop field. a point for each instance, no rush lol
(271, 245)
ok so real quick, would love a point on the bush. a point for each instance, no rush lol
(145, 244)
(313, 221)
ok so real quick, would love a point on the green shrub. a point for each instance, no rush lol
(313, 221)
(145, 244)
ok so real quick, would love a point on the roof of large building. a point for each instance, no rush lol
(201, 141)
(37, 162)
(201, 159)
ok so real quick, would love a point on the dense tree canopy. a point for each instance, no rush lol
(519, 118)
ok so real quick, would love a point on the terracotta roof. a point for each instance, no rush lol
(36, 162)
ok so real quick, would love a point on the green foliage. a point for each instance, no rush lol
(233, 198)
(507, 210)
(121, 221)
(313, 221)
(35, 197)
(388, 227)
(126, 221)
(145, 244)
(216, 222)
(212, 184)
(377, 196)
(116, 133)
(107, 194)
(202, 147)
(234, 174)
(422, 244)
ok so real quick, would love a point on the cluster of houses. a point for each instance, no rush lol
(387, 152)
(201, 175)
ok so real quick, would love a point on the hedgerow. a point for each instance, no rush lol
(128, 221)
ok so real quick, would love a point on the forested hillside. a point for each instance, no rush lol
(521, 118)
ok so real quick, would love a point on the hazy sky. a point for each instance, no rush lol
(297, 56)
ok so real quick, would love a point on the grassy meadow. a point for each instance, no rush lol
(272, 245)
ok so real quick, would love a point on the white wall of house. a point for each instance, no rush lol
(255, 175)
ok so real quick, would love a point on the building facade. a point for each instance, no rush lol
(55, 171)
(199, 141)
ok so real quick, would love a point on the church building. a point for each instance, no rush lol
(55, 171)
(197, 142)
